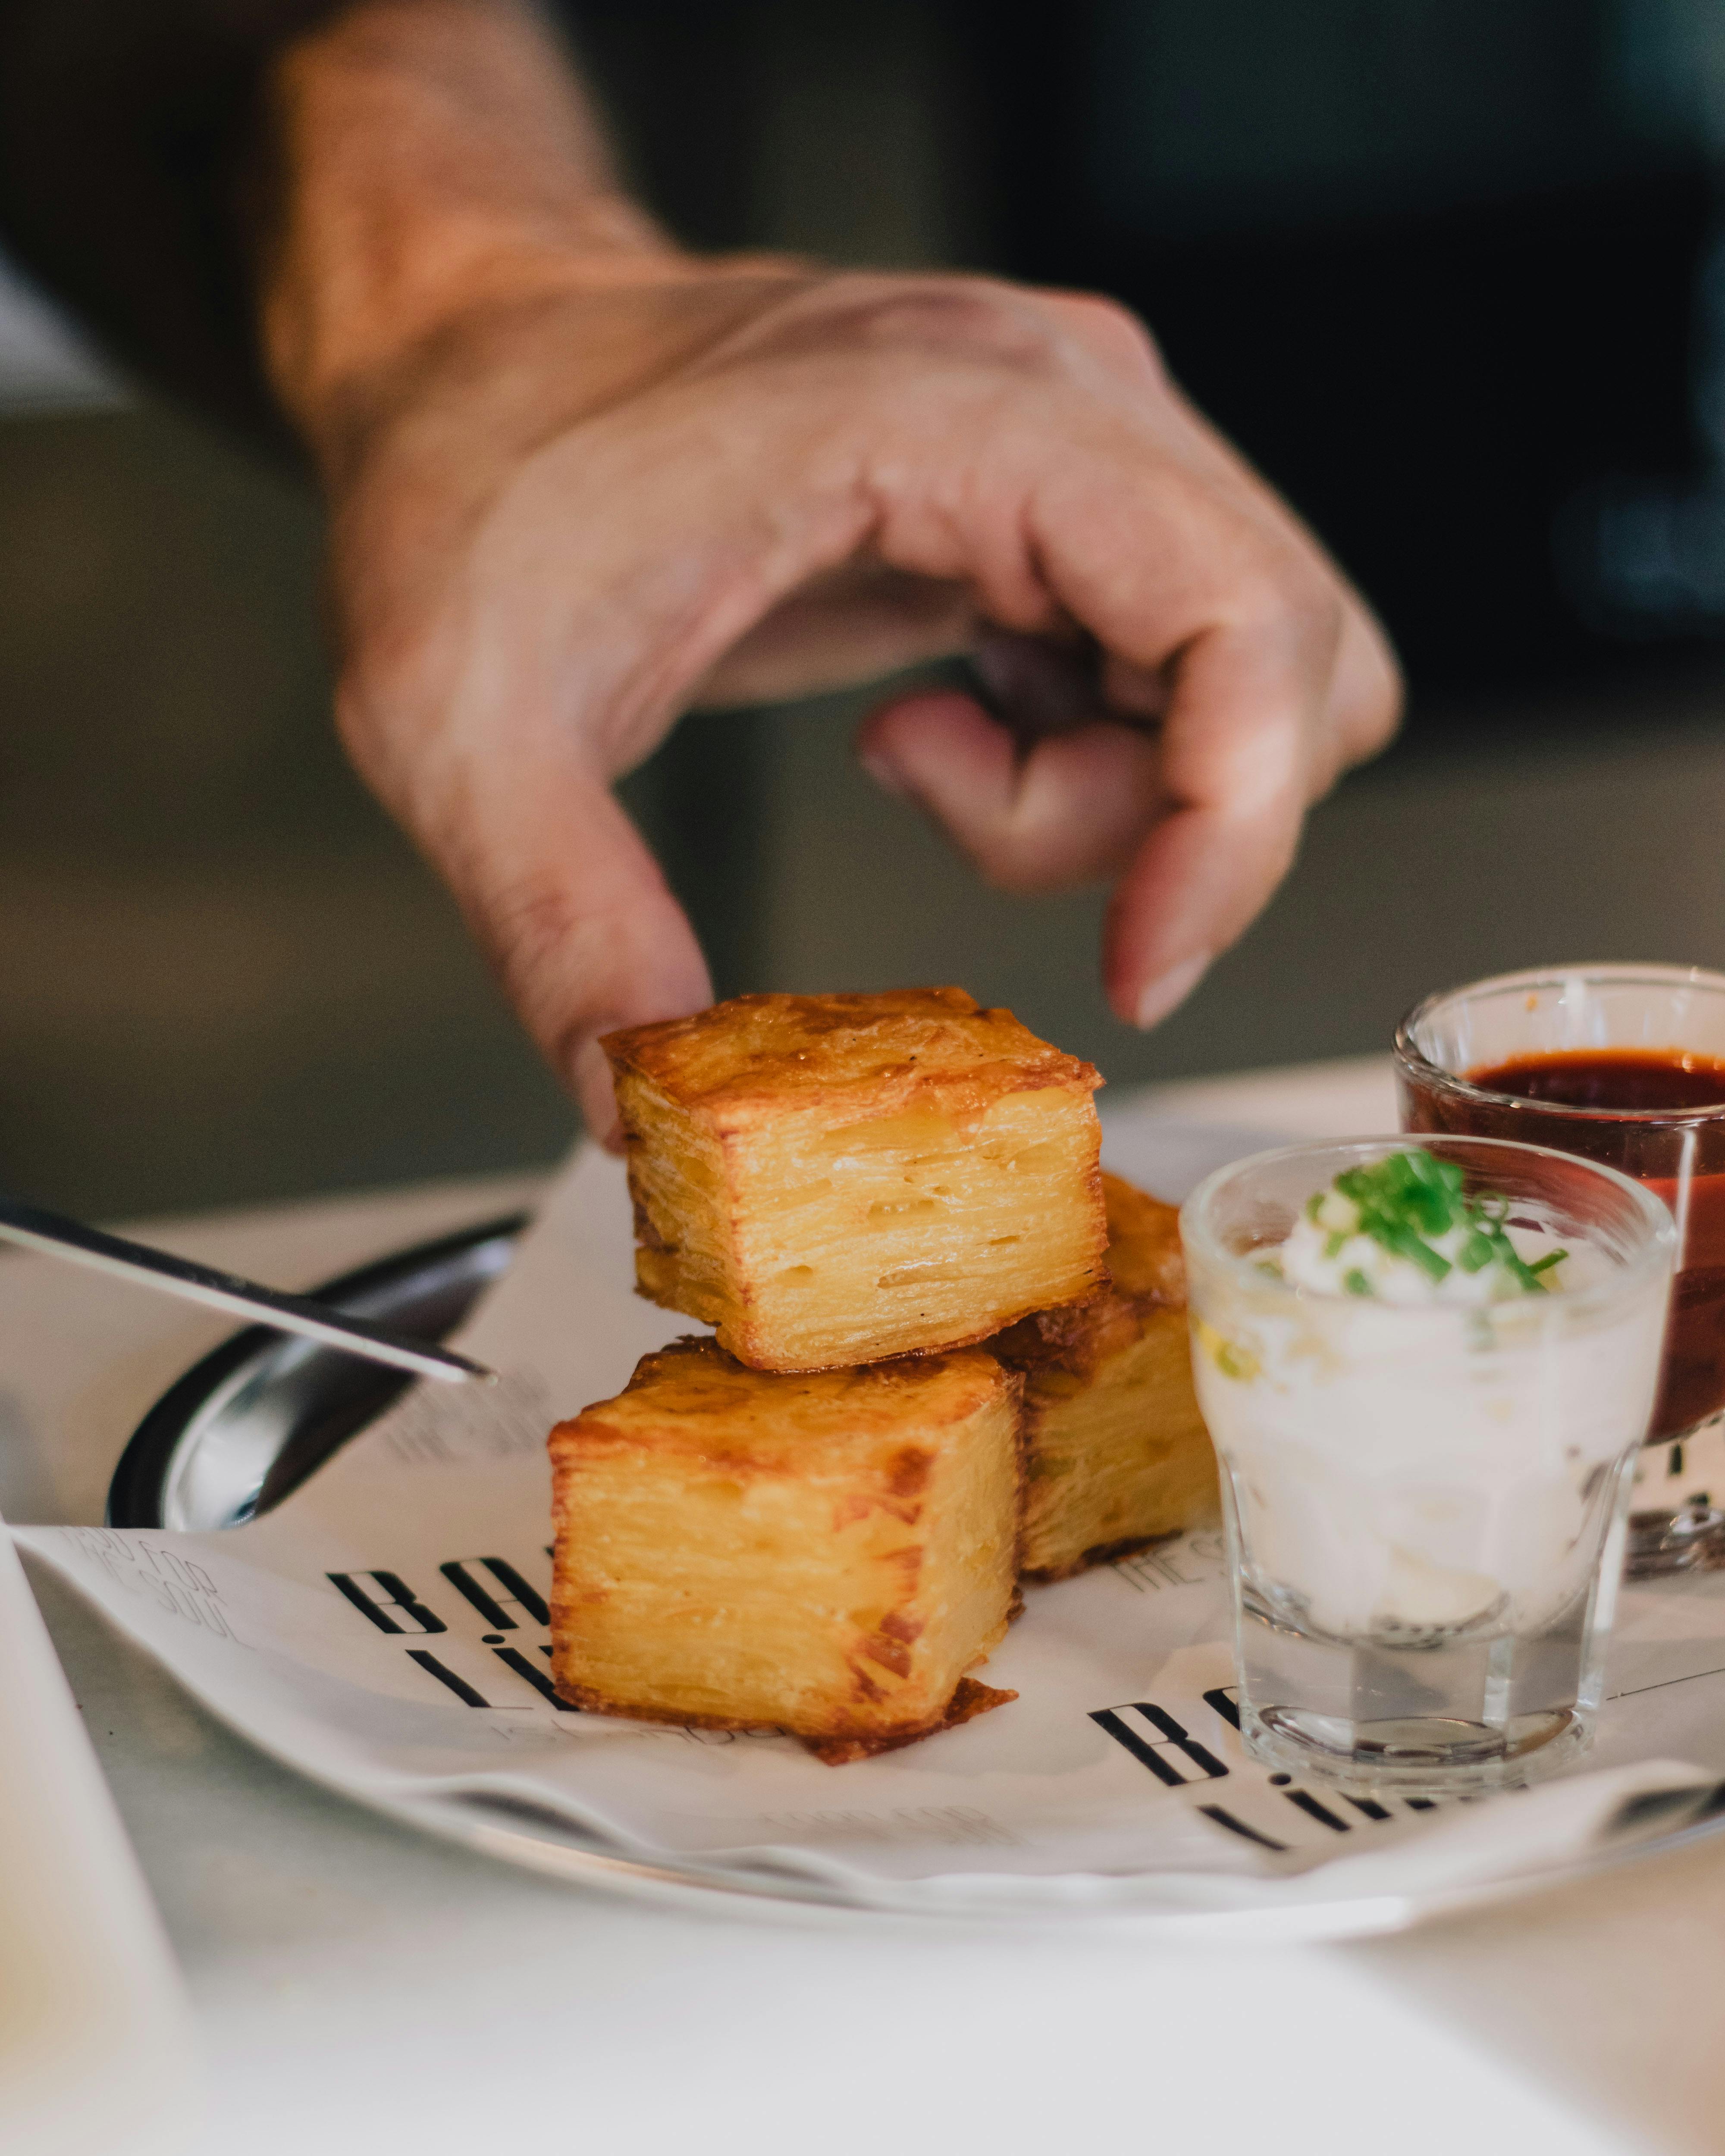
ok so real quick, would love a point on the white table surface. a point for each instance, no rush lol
(359, 1987)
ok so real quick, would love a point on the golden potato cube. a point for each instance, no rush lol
(825, 1555)
(830, 1180)
(1115, 1452)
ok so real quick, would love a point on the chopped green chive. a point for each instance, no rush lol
(1406, 1201)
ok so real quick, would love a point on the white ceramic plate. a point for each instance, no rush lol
(238, 1431)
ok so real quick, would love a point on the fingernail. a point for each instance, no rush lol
(885, 775)
(1171, 988)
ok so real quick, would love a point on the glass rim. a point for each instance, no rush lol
(1660, 1241)
(1601, 973)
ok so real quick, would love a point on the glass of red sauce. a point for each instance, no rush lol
(1623, 1064)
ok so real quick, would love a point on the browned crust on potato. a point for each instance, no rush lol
(770, 1054)
(1147, 1262)
(968, 1701)
(1087, 1560)
(715, 1107)
(596, 1702)
(677, 1393)
(989, 1336)
(1147, 1271)
(692, 1402)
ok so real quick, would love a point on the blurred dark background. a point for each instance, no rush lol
(1451, 271)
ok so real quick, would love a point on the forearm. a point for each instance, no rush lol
(427, 160)
(123, 134)
(350, 172)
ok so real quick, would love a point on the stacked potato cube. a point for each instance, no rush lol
(812, 1523)
(1115, 1452)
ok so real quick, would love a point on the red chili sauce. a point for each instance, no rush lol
(1615, 1082)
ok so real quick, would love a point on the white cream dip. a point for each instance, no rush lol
(1407, 1454)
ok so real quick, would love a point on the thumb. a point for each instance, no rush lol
(572, 910)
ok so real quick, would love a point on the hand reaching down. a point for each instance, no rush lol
(580, 482)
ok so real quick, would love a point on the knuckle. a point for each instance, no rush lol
(1372, 719)
(980, 319)
(547, 951)
(532, 927)
(1381, 723)
(1267, 599)
(1312, 595)
(1387, 695)
(1125, 335)
(1291, 593)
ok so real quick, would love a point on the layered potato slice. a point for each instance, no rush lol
(825, 1555)
(833, 1180)
(1115, 1452)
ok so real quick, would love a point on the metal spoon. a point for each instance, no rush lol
(58, 1237)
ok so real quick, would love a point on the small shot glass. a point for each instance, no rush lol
(1425, 1502)
(1446, 1049)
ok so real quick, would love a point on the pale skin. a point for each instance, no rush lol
(581, 481)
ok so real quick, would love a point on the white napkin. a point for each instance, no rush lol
(383, 1632)
(97, 2055)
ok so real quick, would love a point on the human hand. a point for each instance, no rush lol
(572, 496)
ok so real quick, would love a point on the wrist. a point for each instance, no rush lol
(429, 161)
(341, 325)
